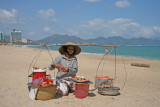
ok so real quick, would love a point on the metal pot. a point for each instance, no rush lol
(109, 91)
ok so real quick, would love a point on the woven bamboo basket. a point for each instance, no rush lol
(46, 93)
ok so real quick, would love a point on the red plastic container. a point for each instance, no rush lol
(38, 73)
(81, 90)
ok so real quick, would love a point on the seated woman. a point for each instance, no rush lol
(67, 66)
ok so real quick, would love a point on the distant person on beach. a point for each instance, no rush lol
(67, 66)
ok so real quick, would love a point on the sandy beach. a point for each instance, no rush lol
(141, 87)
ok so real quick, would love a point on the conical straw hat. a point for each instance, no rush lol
(77, 48)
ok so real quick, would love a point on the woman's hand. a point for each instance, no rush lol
(64, 69)
(58, 66)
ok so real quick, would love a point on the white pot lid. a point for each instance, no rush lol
(39, 70)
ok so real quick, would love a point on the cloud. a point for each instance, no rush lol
(48, 14)
(46, 29)
(123, 3)
(118, 27)
(92, 0)
(31, 33)
(10, 17)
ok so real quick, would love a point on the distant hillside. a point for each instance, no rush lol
(143, 41)
(56, 38)
(116, 40)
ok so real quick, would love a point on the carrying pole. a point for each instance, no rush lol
(82, 45)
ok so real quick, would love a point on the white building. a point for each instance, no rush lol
(24, 40)
(15, 36)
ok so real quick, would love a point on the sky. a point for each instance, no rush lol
(86, 19)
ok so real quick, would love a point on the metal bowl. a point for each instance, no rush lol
(109, 91)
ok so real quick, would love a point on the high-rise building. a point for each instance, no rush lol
(15, 36)
(1, 36)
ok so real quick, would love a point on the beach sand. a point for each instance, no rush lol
(141, 88)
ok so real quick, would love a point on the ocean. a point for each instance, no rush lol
(144, 52)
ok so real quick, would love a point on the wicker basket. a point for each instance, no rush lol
(46, 93)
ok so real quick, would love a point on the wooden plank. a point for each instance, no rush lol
(140, 65)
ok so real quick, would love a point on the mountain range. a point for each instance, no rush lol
(115, 40)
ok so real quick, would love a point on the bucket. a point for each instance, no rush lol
(38, 73)
(81, 90)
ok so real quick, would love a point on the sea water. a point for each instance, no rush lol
(145, 52)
